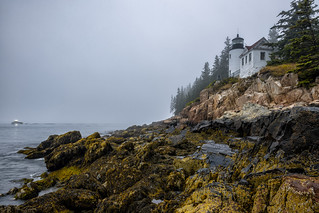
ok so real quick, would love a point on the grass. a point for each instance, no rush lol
(223, 85)
(279, 70)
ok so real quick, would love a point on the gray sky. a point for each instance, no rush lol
(114, 60)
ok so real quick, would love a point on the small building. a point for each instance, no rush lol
(248, 60)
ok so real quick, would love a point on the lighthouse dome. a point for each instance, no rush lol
(238, 43)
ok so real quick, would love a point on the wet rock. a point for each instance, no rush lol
(63, 155)
(83, 152)
(273, 147)
(57, 140)
(202, 126)
(10, 209)
(146, 169)
(27, 192)
(211, 147)
(86, 181)
(215, 154)
(170, 130)
(300, 193)
(63, 200)
(53, 141)
(13, 191)
(247, 169)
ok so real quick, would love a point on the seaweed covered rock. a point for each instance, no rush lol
(53, 141)
(86, 181)
(258, 160)
(82, 152)
(297, 193)
(62, 200)
(64, 155)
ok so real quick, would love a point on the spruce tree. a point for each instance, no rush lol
(299, 39)
(273, 36)
(298, 31)
(306, 43)
(205, 76)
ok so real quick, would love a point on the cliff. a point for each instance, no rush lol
(249, 147)
(263, 89)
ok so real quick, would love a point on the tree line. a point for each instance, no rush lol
(190, 93)
(295, 39)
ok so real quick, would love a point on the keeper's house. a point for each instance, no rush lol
(248, 60)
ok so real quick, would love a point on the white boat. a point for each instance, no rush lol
(16, 122)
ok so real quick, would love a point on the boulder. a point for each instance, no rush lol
(64, 155)
(289, 80)
(56, 140)
(83, 152)
(86, 181)
(53, 141)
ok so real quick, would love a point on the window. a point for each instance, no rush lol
(242, 61)
(262, 55)
(246, 59)
(229, 56)
(249, 57)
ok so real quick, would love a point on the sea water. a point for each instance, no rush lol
(14, 167)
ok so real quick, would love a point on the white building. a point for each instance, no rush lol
(248, 60)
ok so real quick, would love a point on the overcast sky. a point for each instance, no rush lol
(114, 60)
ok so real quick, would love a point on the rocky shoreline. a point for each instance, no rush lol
(252, 146)
(253, 160)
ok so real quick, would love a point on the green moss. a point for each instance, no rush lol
(95, 135)
(27, 192)
(222, 85)
(117, 140)
(65, 173)
(189, 165)
(193, 101)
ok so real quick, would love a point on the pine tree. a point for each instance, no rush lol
(298, 28)
(220, 69)
(205, 76)
(306, 43)
(273, 36)
(286, 21)
(224, 59)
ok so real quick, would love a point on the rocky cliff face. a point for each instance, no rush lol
(265, 90)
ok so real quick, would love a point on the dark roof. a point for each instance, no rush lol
(256, 43)
(249, 48)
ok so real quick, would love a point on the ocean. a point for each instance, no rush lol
(14, 167)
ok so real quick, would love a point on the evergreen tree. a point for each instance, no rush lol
(216, 67)
(286, 21)
(224, 59)
(173, 104)
(205, 77)
(298, 28)
(299, 39)
(221, 67)
(273, 36)
(306, 43)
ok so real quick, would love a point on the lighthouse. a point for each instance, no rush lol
(234, 54)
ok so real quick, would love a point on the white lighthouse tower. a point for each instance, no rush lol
(234, 60)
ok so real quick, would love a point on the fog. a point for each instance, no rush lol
(114, 61)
